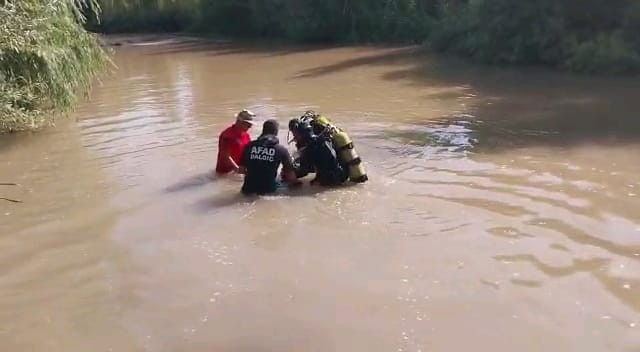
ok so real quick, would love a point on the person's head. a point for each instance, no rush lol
(270, 127)
(305, 130)
(245, 120)
(301, 130)
(309, 115)
(293, 127)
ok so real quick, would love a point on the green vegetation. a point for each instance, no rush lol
(47, 59)
(320, 20)
(297, 20)
(588, 36)
(131, 16)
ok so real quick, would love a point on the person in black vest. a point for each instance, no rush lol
(317, 155)
(261, 159)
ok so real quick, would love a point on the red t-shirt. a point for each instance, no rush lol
(235, 140)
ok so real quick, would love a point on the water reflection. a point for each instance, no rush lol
(488, 202)
(195, 181)
(60, 269)
(568, 110)
(436, 139)
(626, 289)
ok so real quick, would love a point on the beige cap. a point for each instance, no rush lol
(246, 116)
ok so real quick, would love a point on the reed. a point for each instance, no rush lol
(47, 60)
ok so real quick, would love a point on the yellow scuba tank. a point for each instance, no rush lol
(345, 150)
(322, 121)
(348, 155)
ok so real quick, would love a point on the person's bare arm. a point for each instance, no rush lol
(290, 178)
(288, 170)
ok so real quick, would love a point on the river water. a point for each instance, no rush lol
(502, 212)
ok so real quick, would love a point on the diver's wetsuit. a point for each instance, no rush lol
(319, 156)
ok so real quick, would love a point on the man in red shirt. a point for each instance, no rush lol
(232, 142)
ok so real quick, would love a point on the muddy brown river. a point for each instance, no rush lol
(502, 212)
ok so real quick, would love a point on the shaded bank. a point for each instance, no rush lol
(593, 36)
(47, 59)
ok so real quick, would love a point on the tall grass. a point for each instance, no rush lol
(47, 60)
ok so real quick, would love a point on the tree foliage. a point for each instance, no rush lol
(578, 35)
(46, 60)
(299, 20)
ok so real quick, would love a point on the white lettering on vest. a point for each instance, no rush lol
(263, 153)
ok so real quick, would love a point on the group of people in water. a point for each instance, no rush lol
(322, 149)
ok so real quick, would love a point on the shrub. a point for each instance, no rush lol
(46, 60)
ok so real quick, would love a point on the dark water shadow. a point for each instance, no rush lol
(400, 55)
(510, 108)
(579, 236)
(193, 182)
(215, 47)
(233, 198)
(11, 200)
(626, 290)
(221, 200)
(267, 49)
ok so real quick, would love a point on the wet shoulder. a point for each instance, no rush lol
(227, 132)
(270, 140)
(282, 150)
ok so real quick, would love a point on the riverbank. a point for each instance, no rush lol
(40, 80)
(593, 37)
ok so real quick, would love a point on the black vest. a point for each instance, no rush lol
(264, 157)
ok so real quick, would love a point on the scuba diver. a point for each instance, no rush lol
(318, 156)
(325, 150)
